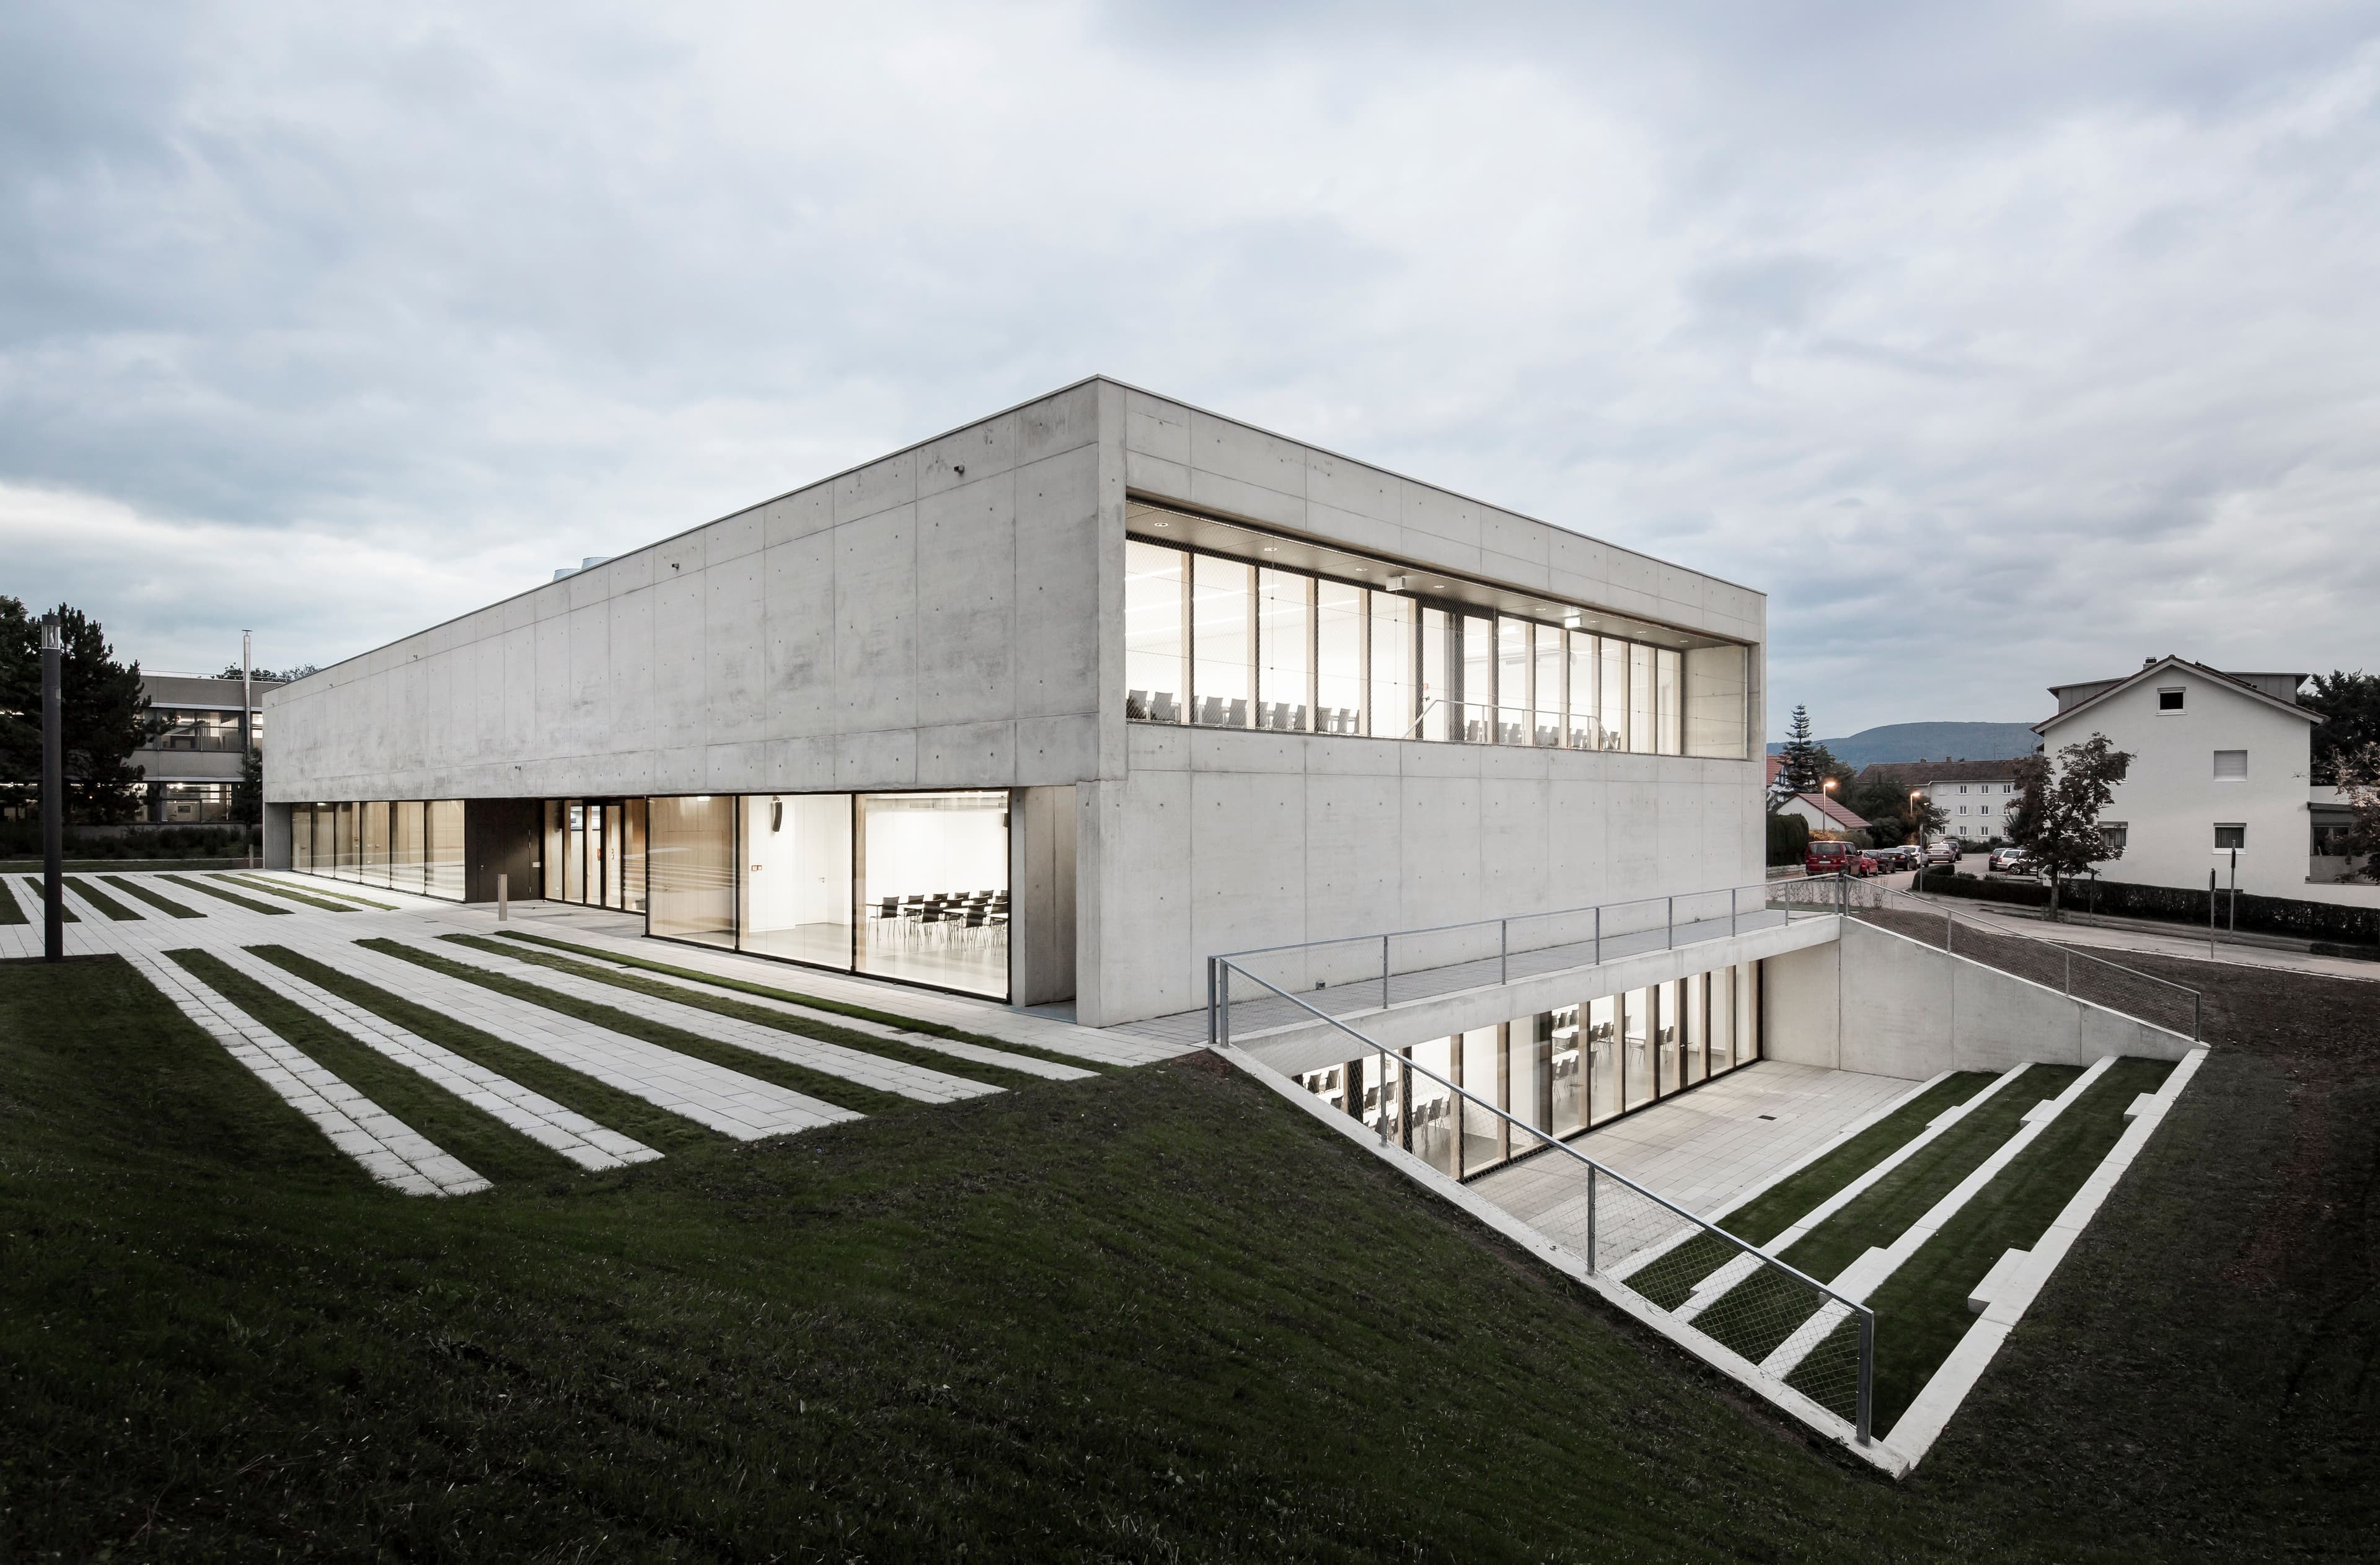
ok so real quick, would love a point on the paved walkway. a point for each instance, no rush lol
(725, 1100)
(1702, 1149)
(2153, 943)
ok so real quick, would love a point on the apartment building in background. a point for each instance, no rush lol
(189, 769)
(1975, 796)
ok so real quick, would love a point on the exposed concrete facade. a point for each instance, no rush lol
(1882, 1004)
(951, 616)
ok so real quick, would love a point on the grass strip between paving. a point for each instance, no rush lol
(1757, 1315)
(800, 1026)
(1921, 1310)
(486, 1144)
(233, 897)
(276, 888)
(34, 885)
(1669, 1281)
(158, 900)
(662, 1129)
(316, 887)
(9, 912)
(798, 1079)
(101, 900)
(816, 1002)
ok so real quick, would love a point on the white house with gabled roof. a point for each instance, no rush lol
(2221, 775)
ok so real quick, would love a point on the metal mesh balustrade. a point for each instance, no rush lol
(1724, 1292)
(2077, 974)
(1365, 972)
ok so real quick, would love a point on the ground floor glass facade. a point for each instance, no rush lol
(404, 845)
(1563, 1072)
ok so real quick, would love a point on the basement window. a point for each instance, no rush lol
(2228, 838)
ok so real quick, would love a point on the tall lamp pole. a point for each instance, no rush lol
(53, 790)
(246, 724)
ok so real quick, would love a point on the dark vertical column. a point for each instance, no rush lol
(1355, 1089)
(53, 790)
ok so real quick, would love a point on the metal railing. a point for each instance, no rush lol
(1720, 1290)
(1403, 965)
(2078, 975)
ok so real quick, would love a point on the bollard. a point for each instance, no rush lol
(503, 898)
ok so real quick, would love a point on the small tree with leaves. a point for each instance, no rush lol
(2358, 772)
(1802, 763)
(2058, 817)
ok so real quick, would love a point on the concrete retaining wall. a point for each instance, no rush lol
(1876, 1001)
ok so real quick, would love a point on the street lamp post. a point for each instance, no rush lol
(53, 790)
(246, 726)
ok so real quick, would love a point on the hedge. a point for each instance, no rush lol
(1788, 838)
(2271, 916)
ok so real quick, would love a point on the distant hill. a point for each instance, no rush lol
(1932, 741)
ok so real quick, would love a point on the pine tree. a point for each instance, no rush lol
(103, 716)
(1802, 762)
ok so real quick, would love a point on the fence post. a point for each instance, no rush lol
(1590, 1218)
(1384, 972)
(2070, 974)
(2193, 1016)
(1730, 909)
(1214, 1032)
(1223, 1008)
(1599, 934)
(1504, 951)
(1866, 1373)
(1671, 942)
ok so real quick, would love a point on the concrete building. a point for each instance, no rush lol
(1052, 707)
(189, 769)
(2221, 772)
(1973, 795)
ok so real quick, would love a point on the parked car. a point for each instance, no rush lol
(1900, 857)
(1837, 858)
(2010, 861)
(1942, 850)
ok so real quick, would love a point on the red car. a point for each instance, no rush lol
(1837, 858)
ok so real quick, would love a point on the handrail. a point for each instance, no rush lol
(1483, 923)
(1219, 1008)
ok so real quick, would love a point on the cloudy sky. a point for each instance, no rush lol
(2000, 345)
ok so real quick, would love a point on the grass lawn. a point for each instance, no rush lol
(315, 887)
(98, 898)
(10, 913)
(32, 893)
(272, 888)
(1155, 1315)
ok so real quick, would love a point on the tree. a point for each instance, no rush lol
(2058, 816)
(104, 715)
(248, 794)
(2358, 774)
(1801, 768)
(231, 671)
(1894, 813)
(2350, 706)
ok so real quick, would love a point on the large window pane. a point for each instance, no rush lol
(1635, 1054)
(1584, 735)
(1478, 680)
(405, 857)
(373, 818)
(574, 850)
(1694, 1024)
(797, 880)
(1384, 1083)
(1664, 1023)
(1338, 658)
(1483, 1133)
(1432, 1106)
(1747, 1013)
(444, 871)
(632, 858)
(1612, 693)
(1284, 647)
(1548, 657)
(551, 857)
(1641, 730)
(1222, 626)
(1603, 1056)
(1392, 714)
(1513, 682)
(1528, 1053)
(1568, 1065)
(1439, 719)
(1156, 649)
(938, 862)
(1722, 1020)
(1669, 702)
(301, 839)
(691, 863)
(603, 854)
